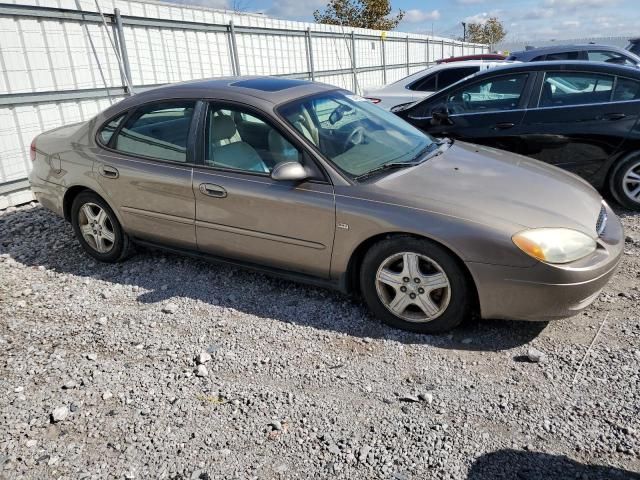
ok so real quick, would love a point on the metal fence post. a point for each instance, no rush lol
(235, 61)
(384, 60)
(123, 47)
(408, 68)
(312, 73)
(354, 64)
(428, 51)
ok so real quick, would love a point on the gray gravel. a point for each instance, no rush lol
(169, 367)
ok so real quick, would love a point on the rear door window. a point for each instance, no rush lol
(575, 88)
(564, 56)
(609, 57)
(158, 131)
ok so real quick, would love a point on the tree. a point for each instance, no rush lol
(489, 32)
(359, 13)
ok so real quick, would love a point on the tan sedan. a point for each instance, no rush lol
(311, 182)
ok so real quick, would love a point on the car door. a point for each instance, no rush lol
(144, 166)
(578, 120)
(244, 214)
(488, 111)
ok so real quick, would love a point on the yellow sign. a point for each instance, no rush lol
(383, 35)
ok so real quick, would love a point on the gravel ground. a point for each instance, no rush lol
(170, 367)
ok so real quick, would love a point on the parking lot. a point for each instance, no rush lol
(100, 376)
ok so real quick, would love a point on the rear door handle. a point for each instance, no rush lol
(108, 171)
(504, 125)
(213, 190)
(614, 116)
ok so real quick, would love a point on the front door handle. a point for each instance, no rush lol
(108, 171)
(213, 190)
(504, 125)
(614, 116)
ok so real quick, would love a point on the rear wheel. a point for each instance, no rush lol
(414, 284)
(625, 182)
(97, 228)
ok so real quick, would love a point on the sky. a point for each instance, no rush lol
(523, 19)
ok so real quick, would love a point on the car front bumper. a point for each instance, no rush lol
(547, 292)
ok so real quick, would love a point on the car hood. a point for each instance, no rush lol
(482, 184)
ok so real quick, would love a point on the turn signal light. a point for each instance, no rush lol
(373, 100)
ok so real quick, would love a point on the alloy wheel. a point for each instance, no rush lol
(96, 227)
(631, 182)
(413, 287)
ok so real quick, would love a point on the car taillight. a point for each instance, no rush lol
(32, 150)
(373, 100)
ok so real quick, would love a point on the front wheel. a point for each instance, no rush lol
(97, 228)
(625, 183)
(414, 284)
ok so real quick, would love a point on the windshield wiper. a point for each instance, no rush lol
(432, 150)
(387, 166)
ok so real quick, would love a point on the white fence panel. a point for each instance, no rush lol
(59, 66)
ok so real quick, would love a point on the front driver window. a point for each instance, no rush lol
(239, 140)
(492, 95)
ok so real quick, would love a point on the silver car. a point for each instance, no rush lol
(311, 182)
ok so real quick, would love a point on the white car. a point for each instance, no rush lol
(425, 82)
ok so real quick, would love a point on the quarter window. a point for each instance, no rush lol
(239, 140)
(567, 88)
(427, 84)
(495, 94)
(108, 130)
(157, 131)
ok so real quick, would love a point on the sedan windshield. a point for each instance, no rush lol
(354, 134)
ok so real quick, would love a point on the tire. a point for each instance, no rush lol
(625, 188)
(441, 285)
(89, 212)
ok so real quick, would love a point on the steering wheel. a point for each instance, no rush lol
(356, 137)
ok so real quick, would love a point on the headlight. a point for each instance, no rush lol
(554, 245)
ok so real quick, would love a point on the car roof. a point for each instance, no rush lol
(447, 66)
(478, 56)
(274, 90)
(534, 52)
(567, 65)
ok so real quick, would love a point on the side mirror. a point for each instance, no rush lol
(440, 115)
(289, 171)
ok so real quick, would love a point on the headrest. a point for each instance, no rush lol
(277, 142)
(223, 128)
